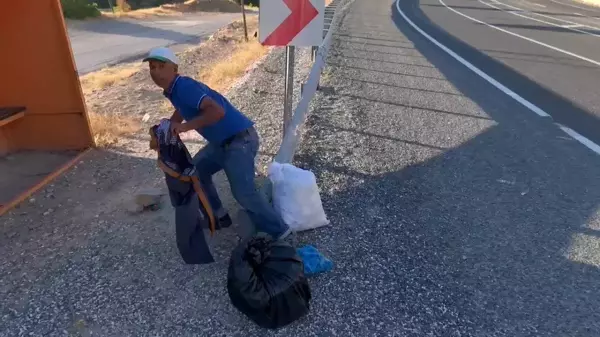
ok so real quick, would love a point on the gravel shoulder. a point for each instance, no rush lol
(76, 262)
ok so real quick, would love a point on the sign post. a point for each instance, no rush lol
(290, 23)
(243, 5)
(112, 7)
(289, 86)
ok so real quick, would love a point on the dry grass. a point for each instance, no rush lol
(591, 2)
(108, 128)
(118, 97)
(101, 79)
(223, 73)
(189, 6)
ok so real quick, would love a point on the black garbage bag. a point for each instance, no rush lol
(192, 210)
(266, 282)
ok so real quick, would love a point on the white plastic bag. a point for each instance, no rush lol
(296, 197)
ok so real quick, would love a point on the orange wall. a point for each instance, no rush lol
(38, 72)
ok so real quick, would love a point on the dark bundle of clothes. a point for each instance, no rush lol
(266, 282)
(192, 210)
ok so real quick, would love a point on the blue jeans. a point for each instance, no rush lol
(237, 160)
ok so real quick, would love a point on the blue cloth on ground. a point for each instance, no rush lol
(314, 261)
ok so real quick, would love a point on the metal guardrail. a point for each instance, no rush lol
(289, 144)
(309, 89)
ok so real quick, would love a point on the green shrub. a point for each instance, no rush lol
(79, 9)
(254, 3)
(138, 4)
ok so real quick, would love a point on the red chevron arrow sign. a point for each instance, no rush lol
(291, 22)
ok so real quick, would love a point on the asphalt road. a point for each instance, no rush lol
(456, 210)
(547, 51)
(100, 43)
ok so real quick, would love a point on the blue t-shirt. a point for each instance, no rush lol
(186, 94)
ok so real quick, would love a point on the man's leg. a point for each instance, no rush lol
(239, 167)
(208, 161)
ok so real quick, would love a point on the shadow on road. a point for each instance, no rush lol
(494, 256)
(494, 237)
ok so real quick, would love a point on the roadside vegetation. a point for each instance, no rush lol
(140, 9)
(108, 128)
(79, 9)
(118, 97)
(126, 9)
(218, 62)
(221, 74)
(591, 2)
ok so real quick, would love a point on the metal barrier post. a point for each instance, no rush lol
(289, 86)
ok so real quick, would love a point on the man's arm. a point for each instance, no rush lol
(210, 113)
(176, 117)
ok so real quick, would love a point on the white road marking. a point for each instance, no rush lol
(539, 5)
(473, 68)
(588, 143)
(537, 110)
(570, 26)
(545, 16)
(521, 36)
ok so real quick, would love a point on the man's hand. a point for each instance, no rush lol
(177, 128)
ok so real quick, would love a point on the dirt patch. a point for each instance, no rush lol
(190, 6)
(121, 99)
(223, 73)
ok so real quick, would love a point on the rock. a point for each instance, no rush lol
(134, 208)
(146, 118)
(148, 197)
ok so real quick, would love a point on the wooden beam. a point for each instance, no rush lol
(12, 118)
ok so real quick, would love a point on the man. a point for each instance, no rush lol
(232, 141)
